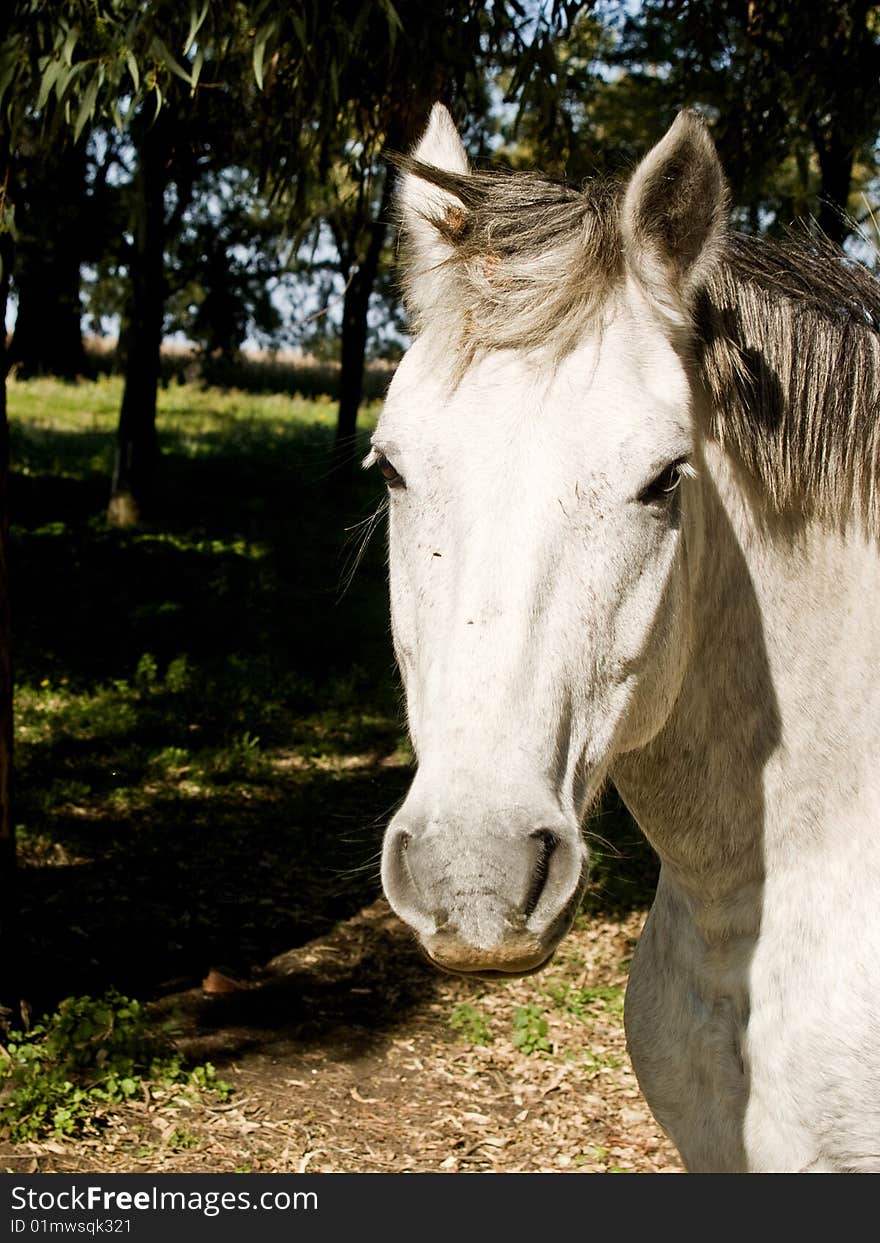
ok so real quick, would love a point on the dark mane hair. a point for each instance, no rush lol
(787, 340)
(786, 334)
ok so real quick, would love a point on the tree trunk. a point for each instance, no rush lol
(48, 331)
(137, 445)
(354, 348)
(354, 339)
(9, 955)
(836, 166)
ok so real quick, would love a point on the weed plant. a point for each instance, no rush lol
(67, 1073)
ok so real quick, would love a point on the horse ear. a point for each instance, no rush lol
(430, 215)
(674, 213)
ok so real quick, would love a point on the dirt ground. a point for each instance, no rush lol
(342, 1057)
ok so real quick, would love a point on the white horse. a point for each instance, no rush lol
(633, 464)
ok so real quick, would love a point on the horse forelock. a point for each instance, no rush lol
(529, 261)
(786, 335)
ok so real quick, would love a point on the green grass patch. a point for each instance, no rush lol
(67, 1073)
(470, 1024)
(585, 1003)
(530, 1030)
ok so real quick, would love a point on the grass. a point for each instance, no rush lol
(209, 736)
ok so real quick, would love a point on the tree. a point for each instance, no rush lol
(9, 991)
(793, 89)
(49, 249)
(229, 253)
(580, 121)
(161, 157)
(167, 65)
(447, 51)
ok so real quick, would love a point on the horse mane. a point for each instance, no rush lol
(786, 334)
(788, 345)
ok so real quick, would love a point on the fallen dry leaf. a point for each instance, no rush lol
(216, 982)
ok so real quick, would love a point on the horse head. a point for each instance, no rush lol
(543, 475)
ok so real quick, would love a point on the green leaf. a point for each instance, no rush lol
(65, 81)
(8, 65)
(198, 61)
(161, 51)
(259, 51)
(69, 44)
(158, 102)
(195, 24)
(260, 40)
(133, 67)
(299, 28)
(395, 25)
(50, 76)
(87, 107)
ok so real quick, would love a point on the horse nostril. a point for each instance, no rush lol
(401, 886)
(547, 842)
(401, 865)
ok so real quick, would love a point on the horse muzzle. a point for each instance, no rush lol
(491, 898)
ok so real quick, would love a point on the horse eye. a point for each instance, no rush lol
(389, 472)
(662, 488)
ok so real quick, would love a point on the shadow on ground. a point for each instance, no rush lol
(189, 884)
(340, 995)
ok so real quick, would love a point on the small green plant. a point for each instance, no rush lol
(593, 1154)
(169, 760)
(240, 760)
(530, 1030)
(596, 1062)
(179, 675)
(467, 1020)
(147, 672)
(90, 1055)
(183, 1141)
(586, 1003)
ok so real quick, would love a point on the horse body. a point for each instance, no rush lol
(600, 567)
(752, 1008)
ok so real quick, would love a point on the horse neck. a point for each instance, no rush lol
(769, 749)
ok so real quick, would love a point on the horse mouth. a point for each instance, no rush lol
(524, 953)
(492, 974)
